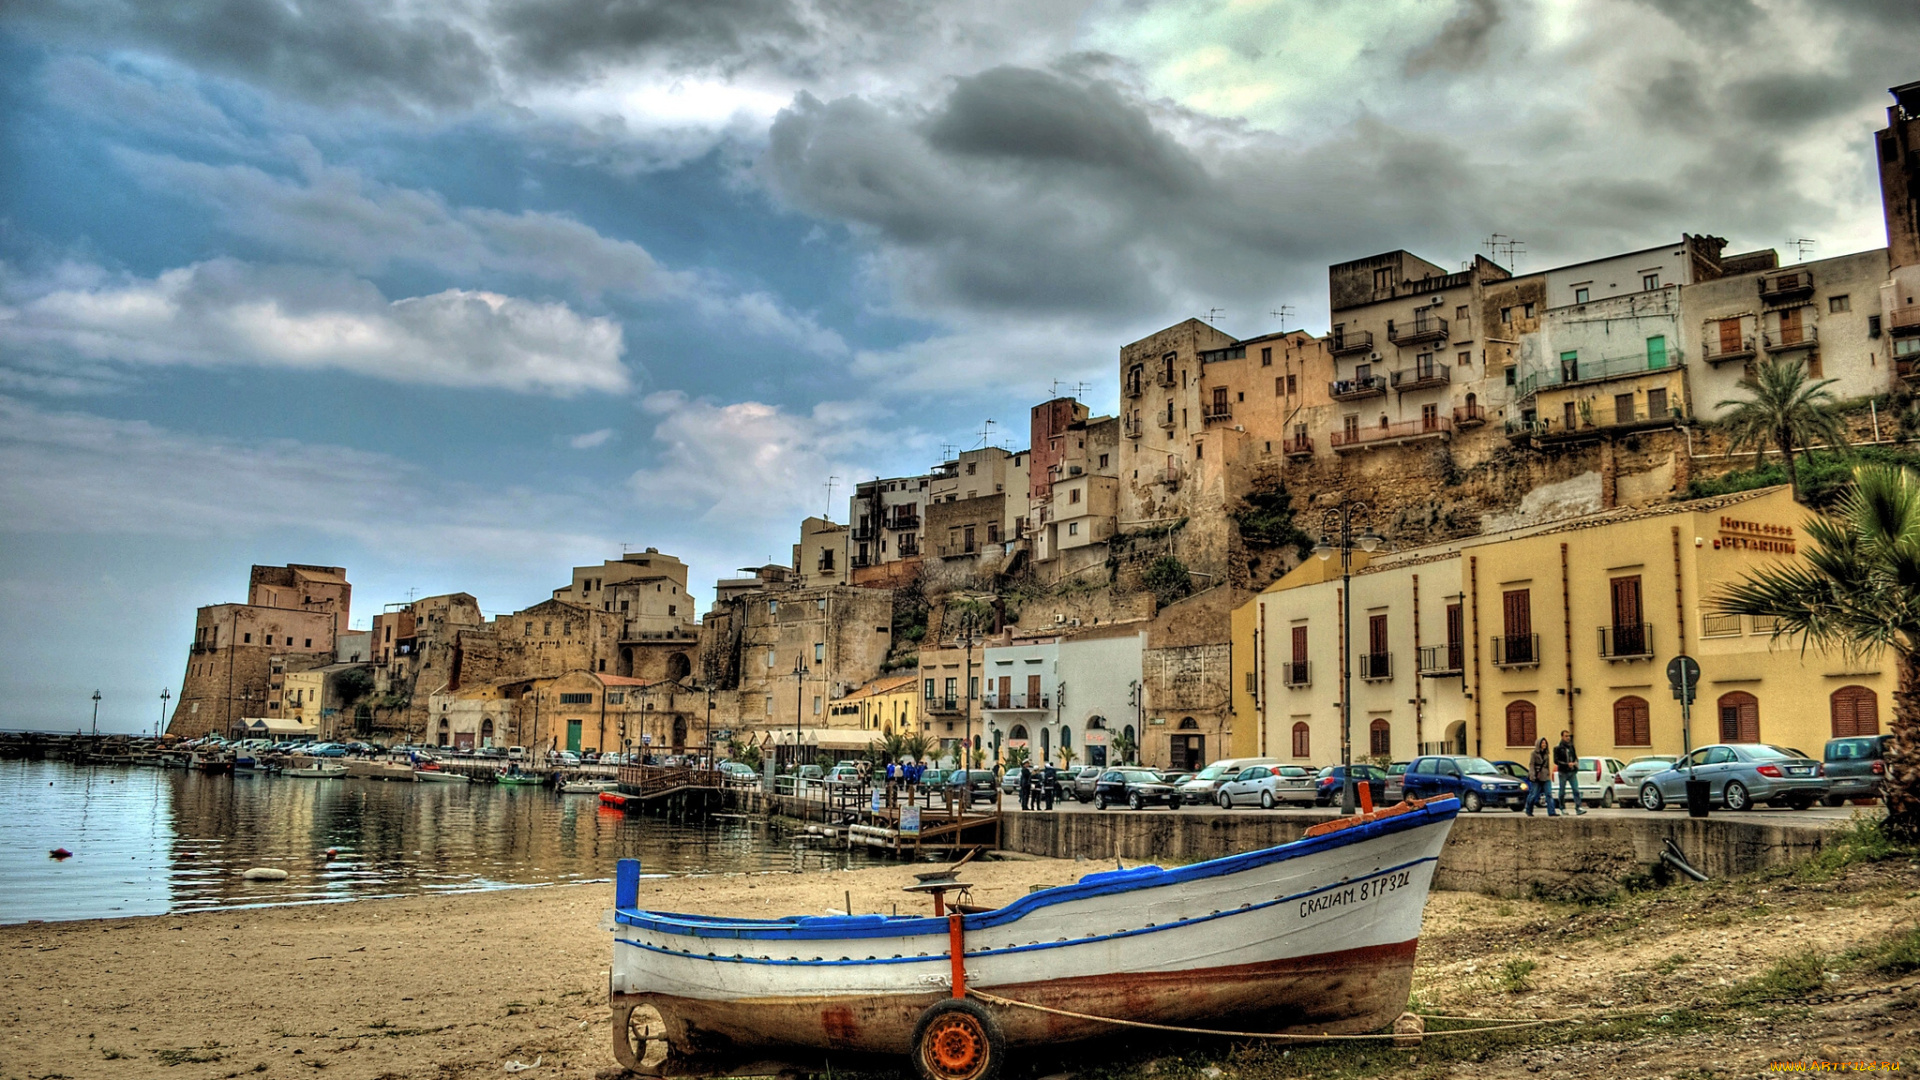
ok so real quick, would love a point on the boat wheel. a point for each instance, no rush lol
(958, 1039)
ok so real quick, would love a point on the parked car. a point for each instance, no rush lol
(491, 752)
(566, 759)
(1739, 775)
(737, 770)
(1135, 786)
(977, 782)
(1328, 780)
(812, 772)
(1396, 788)
(516, 753)
(1856, 768)
(1267, 785)
(1085, 781)
(1205, 785)
(1600, 782)
(327, 749)
(1475, 781)
(1010, 782)
(844, 775)
(1636, 771)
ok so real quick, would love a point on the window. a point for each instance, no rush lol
(1380, 733)
(1506, 314)
(1073, 496)
(1520, 724)
(1739, 717)
(769, 704)
(674, 609)
(1855, 712)
(1528, 311)
(816, 704)
(929, 689)
(1350, 428)
(1631, 726)
(1429, 417)
(1623, 408)
(769, 657)
(773, 607)
(1266, 357)
(1464, 359)
(1382, 279)
(576, 699)
(269, 639)
(1649, 282)
(1873, 326)
(1460, 315)
(616, 697)
(1073, 528)
(1293, 385)
(1580, 295)
(1279, 385)
(819, 652)
(246, 639)
(1838, 304)
(1657, 403)
(1302, 741)
(1103, 460)
(953, 687)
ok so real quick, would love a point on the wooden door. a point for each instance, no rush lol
(1629, 633)
(1006, 692)
(1657, 351)
(1376, 661)
(1739, 717)
(1455, 630)
(1730, 336)
(1790, 326)
(1033, 691)
(1632, 722)
(1517, 616)
(1521, 724)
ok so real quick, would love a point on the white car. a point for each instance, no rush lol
(1626, 785)
(1600, 783)
(1204, 786)
(1267, 785)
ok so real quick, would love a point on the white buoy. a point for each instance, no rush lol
(265, 873)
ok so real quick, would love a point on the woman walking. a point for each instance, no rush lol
(1540, 779)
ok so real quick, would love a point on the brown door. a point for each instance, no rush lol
(1790, 326)
(1376, 662)
(1629, 636)
(1517, 615)
(1739, 717)
(1522, 722)
(1033, 691)
(1006, 691)
(1219, 401)
(1729, 335)
(1632, 722)
(1454, 630)
(1298, 670)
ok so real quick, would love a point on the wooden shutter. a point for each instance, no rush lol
(1219, 400)
(1299, 644)
(1626, 601)
(1657, 351)
(1739, 717)
(1856, 711)
(1520, 724)
(1033, 691)
(1380, 738)
(1517, 618)
(1790, 326)
(1006, 691)
(1300, 741)
(1455, 628)
(1729, 335)
(1377, 635)
(1632, 724)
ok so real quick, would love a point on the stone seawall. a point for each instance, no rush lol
(1497, 854)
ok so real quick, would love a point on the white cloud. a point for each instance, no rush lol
(591, 439)
(228, 313)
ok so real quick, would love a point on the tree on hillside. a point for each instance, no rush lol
(1858, 591)
(1783, 411)
(1167, 579)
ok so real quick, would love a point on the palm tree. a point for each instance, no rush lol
(1066, 757)
(1858, 591)
(1784, 412)
(1123, 747)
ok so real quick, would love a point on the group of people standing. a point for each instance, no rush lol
(1562, 760)
(1038, 789)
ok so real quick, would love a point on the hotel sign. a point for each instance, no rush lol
(1737, 535)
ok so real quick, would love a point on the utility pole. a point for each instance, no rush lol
(164, 696)
(799, 689)
(96, 712)
(1340, 520)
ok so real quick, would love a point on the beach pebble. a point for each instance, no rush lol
(265, 873)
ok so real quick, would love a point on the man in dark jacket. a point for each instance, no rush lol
(1540, 780)
(1566, 761)
(1026, 786)
(1049, 783)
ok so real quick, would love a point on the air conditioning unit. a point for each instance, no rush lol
(1058, 618)
(1073, 622)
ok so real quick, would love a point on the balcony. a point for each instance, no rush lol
(1363, 438)
(1131, 427)
(1422, 377)
(860, 562)
(1718, 351)
(1523, 428)
(1786, 285)
(1595, 422)
(1296, 674)
(1033, 702)
(1132, 383)
(943, 705)
(1516, 651)
(907, 550)
(1577, 372)
(1471, 415)
(1166, 420)
(1424, 328)
(1374, 667)
(905, 521)
(1633, 641)
(1904, 321)
(1348, 344)
(863, 531)
(1441, 661)
(1357, 389)
(1299, 446)
(1719, 626)
(1217, 413)
(1169, 377)
(1789, 340)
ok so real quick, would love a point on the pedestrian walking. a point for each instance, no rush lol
(1540, 780)
(1049, 783)
(1026, 786)
(1566, 761)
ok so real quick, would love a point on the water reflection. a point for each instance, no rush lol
(149, 841)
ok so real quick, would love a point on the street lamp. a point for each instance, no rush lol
(164, 697)
(968, 629)
(799, 689)
(1339, 521)
(96, 712)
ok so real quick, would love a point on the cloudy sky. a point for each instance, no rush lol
(460, 294)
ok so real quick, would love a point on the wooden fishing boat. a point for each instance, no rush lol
(374, 769)
(310, 769)
(528, 779)
(436, 774)
(588, 787)
(1314, 936)
(212, 761)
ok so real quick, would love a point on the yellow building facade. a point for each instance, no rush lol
(887, 705)
(1482, 645)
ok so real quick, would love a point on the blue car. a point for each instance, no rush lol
(326, 749)
(1475, 781)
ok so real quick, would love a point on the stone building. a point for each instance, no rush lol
(1079, 509)
(1898, 152)
(292, 614)
(949, 679)
(888, 705)
(417, 647)
(657, 630)
(887, 538)
(820, 558)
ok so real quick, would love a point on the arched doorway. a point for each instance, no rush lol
(445, 734)
(678, 667)
(1739, 714)
(1632, 722)
(1096, 740)
(1066, 744)
(1187, 752)
(1522, 723)
(1302, 739)
(1456, 737)
(1046, 746)
(1132, 743)
(1380, 738)
(486, 733)
(626, 662)
(1018, 734)
(1856, 711)
(679, 734)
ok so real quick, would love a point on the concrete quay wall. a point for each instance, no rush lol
(1500, 854)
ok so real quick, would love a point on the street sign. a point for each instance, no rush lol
(1683, 674)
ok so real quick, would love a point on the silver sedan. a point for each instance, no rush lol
(1739, 775)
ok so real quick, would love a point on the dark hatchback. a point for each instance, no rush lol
(1475, 781)
(979, 784)
(1326, 784)
(1856, 768)
(1137, 788)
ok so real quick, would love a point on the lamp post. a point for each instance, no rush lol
(799, 690)
(1340, 520)
(968, 631)
(164, 697)
(96, 712)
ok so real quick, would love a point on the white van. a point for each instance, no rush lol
(1205, 785)
(516, 753)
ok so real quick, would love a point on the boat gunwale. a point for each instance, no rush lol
(1108, 883)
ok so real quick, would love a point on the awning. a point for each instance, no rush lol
(824, 738)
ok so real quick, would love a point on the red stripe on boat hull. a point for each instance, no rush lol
(1334, 993)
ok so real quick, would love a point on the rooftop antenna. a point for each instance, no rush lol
(831, 480)
(946, 451)
(1213, 316)
(1803, 245)
(1505, 250)
(1285, 313)
(411, 594)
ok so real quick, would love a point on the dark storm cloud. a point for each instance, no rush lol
(1790, 99)
(564, 36)
(358, 51)
(1721, 19)
(1463, 42)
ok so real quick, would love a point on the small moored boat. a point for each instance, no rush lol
(588, 787)
(435, 774)
(312, 769)
(1315, 936)
(515, 777)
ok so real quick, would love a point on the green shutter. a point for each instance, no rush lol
(1656, 351)
(573, 735)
